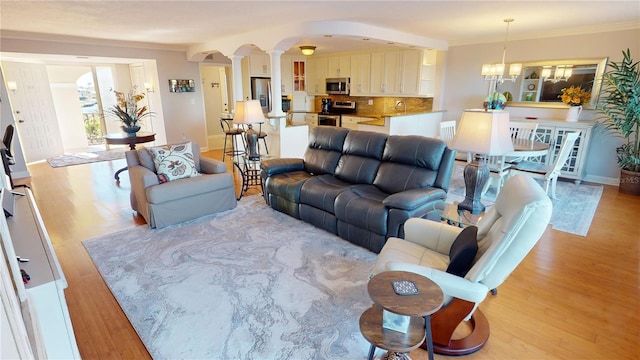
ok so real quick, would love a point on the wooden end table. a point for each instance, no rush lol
(419, 307)
(127, 139)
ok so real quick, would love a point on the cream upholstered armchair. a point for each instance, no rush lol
(505, 234)
(163, 201)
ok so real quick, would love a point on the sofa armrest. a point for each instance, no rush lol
(212, 166)
(141, 176)
(277, 166)
(414, 198)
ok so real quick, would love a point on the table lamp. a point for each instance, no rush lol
(249, 112)
(481, 132)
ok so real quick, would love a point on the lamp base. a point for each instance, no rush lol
(476, 175)
(252, 143)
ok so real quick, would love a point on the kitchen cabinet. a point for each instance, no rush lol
(361, 74)
(286, 75)
(312, 120)
(316, 74)
(384, 73)
(338, 66)
(553, 133)
(351, 122)
(259, 64)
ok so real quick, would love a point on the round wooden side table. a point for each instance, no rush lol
(418, 307)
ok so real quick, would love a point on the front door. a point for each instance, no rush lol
(33, 111)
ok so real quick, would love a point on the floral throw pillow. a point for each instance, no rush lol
(173, 162)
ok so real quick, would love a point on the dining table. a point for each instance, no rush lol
(526, 148)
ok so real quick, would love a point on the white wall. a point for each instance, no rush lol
(183, 112)
(465, 88)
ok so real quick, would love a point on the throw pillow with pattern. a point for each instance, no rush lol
(173, 162)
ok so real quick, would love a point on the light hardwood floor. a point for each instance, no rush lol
(572, 298)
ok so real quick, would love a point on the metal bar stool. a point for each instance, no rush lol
(231, 131)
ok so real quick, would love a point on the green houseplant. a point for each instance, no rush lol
(619, 107)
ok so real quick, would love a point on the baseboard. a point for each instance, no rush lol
(602, 180)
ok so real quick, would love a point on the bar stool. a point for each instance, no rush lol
(262, 136)
(233, 132)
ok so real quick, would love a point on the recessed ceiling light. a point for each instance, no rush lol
(82, 57)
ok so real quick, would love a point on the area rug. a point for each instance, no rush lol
(85, 158)
(249, 283)
(573, 208)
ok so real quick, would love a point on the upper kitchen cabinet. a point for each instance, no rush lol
(259, 64)
(316, 73)
(417, 73)
(403, 73)
(286, 75)
(360, 74)
(385, 68)
(338, 66)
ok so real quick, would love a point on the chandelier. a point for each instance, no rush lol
(495, 72)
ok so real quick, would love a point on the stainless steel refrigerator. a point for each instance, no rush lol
(261, 90)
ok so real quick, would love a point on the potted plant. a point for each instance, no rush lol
(619, 107)
(128, 112)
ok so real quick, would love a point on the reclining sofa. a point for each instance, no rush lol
(361, 185)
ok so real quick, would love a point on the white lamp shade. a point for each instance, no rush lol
(248, 112)
(483, 132)
(515, 69)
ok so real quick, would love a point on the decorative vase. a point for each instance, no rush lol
(131, 130)
(573, 113)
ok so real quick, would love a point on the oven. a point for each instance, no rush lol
(329, 120)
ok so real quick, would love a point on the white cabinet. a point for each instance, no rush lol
(44, 309)
(338, 66)
(286, 75)
(311, 119)
(384, 73)
(316, 71)
(351, 122)
(554, 132)
(360, 74)
(259, 65)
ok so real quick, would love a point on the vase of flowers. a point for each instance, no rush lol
(575, 97)
(128, 112)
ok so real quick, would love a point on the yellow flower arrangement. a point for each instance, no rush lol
(575, 96)
(127, 109)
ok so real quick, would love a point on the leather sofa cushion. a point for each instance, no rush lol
(287, 185)
(361, 157)
(362, 206)
(325, 149)
(414, 150)
(321, 192)
(409, 162)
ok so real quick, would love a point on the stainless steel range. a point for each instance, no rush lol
(334, 116)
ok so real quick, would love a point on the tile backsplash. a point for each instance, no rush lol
(380, 105)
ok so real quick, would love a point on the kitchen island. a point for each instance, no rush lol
(421, 123)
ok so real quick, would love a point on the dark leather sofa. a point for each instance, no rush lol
(361, 185)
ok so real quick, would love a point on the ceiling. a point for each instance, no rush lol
(191, 24)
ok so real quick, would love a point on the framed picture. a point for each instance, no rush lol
(181, 85)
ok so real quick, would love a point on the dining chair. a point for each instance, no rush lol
(550, 173)
(447, 132)
(521, 130)
(498, 172)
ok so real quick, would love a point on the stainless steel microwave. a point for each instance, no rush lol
(337, 86)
